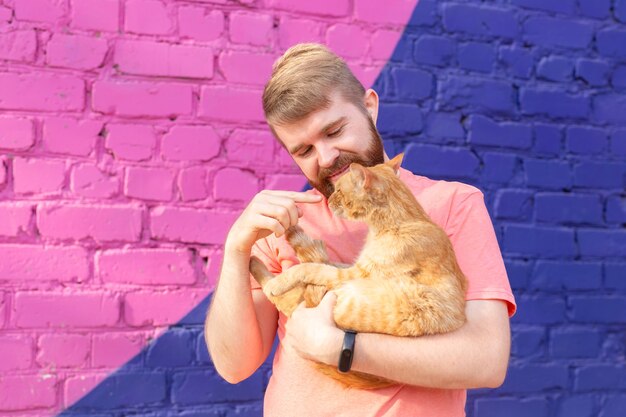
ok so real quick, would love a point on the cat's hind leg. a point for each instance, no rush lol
(308, 273)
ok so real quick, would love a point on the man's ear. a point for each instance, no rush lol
(395, 162)
(362, 176)
(370, 99)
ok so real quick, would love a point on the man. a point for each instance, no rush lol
(326, 120)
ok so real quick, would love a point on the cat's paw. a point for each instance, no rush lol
(274, 288)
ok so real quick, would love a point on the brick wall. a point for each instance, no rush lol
(131, 135)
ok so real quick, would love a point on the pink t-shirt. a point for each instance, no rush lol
(297, 389)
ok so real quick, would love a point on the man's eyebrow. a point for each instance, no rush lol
(324, 129)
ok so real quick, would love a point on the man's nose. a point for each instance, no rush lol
(327, 155)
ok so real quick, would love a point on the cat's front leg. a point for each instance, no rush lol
(308, 273)
(287, 280)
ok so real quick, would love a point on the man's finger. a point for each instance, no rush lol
(329, 300)
(296, 196)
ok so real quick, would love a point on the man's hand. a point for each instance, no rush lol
(312, 332)
(268, 212)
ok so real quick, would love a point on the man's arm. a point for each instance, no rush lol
(474, 356)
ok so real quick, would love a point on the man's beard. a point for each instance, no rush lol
(373, 156)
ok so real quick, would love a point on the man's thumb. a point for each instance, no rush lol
(329, 300)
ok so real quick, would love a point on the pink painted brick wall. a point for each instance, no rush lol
(131, 136)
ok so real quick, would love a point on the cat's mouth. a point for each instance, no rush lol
(333, 178)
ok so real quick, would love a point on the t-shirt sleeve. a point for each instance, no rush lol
(478, 253)
(263, 250)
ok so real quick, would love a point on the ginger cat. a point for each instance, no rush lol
(405, 282)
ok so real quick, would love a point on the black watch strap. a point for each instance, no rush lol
(347, 351)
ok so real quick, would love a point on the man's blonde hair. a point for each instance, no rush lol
(302, 81)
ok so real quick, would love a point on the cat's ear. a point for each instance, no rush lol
(361, 174)
(395, 162)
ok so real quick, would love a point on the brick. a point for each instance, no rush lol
(125, 390)
(475, 56)
(252, 147)
(175, 348)
(528, 342)
(618, 143)
(619, 10)
(618, 78)
(70, 136)
(33, 176)
(555, 68)
(246, 67)
(87, 180)
(557, 32)
(598, 309)
(190, 143)
(16, 133)
(535, 377)
(16, 353)
(548, 174)
(293, 30)
(159, 308)
(548, 139)
(584, 140)
(559, 275)
(6, 14)
(576, 405)
(26, 392)
(553, 103)
(285, 182)
(230, 104)
(568, 208)
(518, 273)
(58, 309)
(145, 267)
(495, 407)
(41, 92)
(541, 310)
(250, 28)
(616, 209)
(400, 119)
(192, 184)
(75, 388)
(412, 84)
(77, 52)
(46, 11)
(546, 242)
(380, 41)
(160, 22)
(348, 41)
(599, 174)
(18, 45)
(202, 351)
(517, 61)
(201, 387)
(498, 167)
(190, 225)
(163, 59)
(63, 350)
(595, 73)
(575, 343)
(558, 6)
(602, 243)
(15, 218)
(321, 7)
(110, 349)
(441, 161)
(484, 131)
(480, 20)
(235, 184)
(141, 99)
(460, 92)
(434, 50)
(130, 141)
(513, 204)
(611, 43)
(614, 406)
(149, 183)
(610, 108)
(368, 11)
(615, 276)
(102, 223)
(3, 171)
(35, 263)
(199, 24)
(446, 126)
(102, 15)
(600, 377)
(600, 9)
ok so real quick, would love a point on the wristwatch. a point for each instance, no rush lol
(347, 351)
